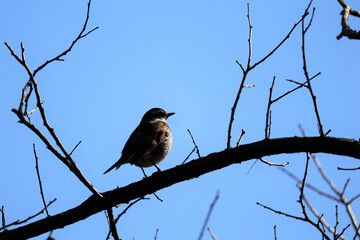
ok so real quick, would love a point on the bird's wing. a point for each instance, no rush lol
(143, 140)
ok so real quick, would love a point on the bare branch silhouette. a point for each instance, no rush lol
(208, 216)
(313, 97)
(346, 30)
(211, 234)
(39, 179)
(66, 159)
(190, 170)
(251, 67)
(19, 222)
(274, 164)
(112, 224)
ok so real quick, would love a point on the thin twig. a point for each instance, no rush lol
(313, 97)
(275, 233)
(26, 113)
(75, 148)
(348, 169)
(143, 171)
(32, 111)
(112, 224)
(318, 216)
(252, 165)
(18, 222)
(39, 179)
(336, 222)
(124, 211)
(66, 159)
(324, 176)
(49, 237)
(245, 72)
(327, 132)
(156, 234)
(249, 68)
(196, 146)
(274, 164)
(267, 122)
(345, 186)
(157, 197)
(280, 212)
(211, 234)
(297, 218)
(241, 137)
(341, 195)
(129, 206)
(354, 198)
(357, 232)
(300, 86)
(208, 215)
(279, 45)
(302, 188)
(250, 36)
(315, 189)
(342, 232)
(311, 19)
(3, 219)
(193, 150)
(81, 35)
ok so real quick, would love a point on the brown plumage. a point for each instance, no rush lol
(150, 142)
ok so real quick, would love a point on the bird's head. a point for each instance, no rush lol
(156, 114)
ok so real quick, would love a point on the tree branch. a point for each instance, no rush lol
(249, 68)
(188, 171)
(18, 222)
(66, 159)
(346, 30)
(112, 224)
(81, 35)
(208, 215)
(39, 179)
(313, 97)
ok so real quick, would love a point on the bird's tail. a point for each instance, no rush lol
(117, 165)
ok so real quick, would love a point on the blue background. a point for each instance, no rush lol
(180, 56)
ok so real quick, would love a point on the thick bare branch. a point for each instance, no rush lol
(188, 171)
(345, 28)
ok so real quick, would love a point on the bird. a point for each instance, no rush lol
(149, 143)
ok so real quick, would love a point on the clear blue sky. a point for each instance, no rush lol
(180, 56)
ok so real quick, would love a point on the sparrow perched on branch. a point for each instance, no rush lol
(150, 142)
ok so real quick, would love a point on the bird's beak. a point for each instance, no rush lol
(170, 114)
